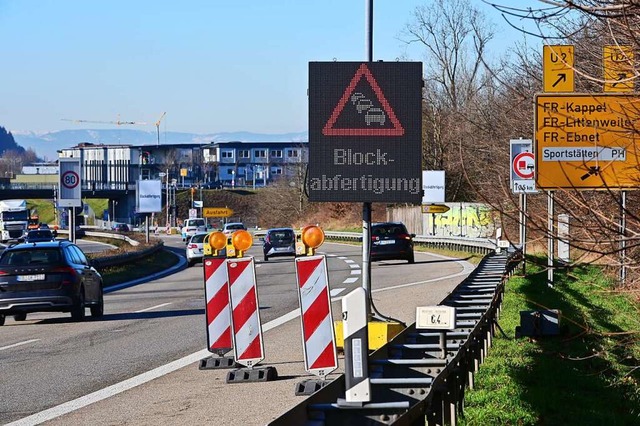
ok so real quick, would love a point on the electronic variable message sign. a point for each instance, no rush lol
(587, 141)
(365, 132)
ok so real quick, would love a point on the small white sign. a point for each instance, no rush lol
(526, 186)
(436, 317)
(197, 204)
(149, 196)
(193, 213)
(433, 186)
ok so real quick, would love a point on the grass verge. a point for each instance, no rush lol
(588, 375)
(158, 262)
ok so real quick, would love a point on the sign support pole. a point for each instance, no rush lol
(623, 236)
(550, 248)
(523, 229)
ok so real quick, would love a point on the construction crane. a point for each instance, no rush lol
(158, 125)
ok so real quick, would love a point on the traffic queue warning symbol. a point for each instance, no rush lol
(375, 116)
(523, 165)
(70, 179)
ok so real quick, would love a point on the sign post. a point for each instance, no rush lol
(70, 192)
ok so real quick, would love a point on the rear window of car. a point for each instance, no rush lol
(40, 234)
(198, 238)
(281, 235)
(234, 226)
(195, 222)
(388, 229)
(41, 256)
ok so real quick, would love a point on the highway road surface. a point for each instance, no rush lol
(139, 363)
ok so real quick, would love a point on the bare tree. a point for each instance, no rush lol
(454, 35)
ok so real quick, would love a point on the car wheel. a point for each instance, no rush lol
(411, 258)
(190, 263)
(1, 320)
(77, 312)
(266, 258)
(97, 310)
(20, 317)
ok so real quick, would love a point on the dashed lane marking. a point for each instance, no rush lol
(152, 308)
(336, 291)
(26, 342)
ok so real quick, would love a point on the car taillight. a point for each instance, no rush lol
(65, 270)
(375, 238)
(192, 246)
(3, 272)
(404, 236)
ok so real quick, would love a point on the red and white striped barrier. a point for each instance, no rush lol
(248, 347)
(318, 338)
(218, 311)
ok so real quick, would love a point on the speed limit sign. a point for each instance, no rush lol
(69, 183)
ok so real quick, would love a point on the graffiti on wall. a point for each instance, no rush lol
(466, 220)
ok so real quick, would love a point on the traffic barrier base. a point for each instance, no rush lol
(308, 387)
(256, 374)
(214, 363)
(380, 333)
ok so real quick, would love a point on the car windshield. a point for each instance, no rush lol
(30, 256)
(196, 222)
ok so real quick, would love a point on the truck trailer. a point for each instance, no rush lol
(14, 219)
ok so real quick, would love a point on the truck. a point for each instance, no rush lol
(14, 219)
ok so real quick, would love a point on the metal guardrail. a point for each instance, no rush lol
(474, 245)
(412, 382)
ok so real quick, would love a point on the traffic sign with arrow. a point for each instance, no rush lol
(557, 68)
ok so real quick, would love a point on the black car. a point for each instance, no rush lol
(391, 241)
(48, 276)
(121, 227)
(39, 235)
(279, 242)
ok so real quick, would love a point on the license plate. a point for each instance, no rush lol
(387, 242)
(282, 248)
(36, 277)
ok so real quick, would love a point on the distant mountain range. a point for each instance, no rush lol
(46, 145)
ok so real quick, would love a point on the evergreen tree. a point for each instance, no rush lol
(8, 143)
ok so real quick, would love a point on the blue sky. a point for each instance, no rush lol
(212, 65)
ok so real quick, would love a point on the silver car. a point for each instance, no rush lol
(195, 248)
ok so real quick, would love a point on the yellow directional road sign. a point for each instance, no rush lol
(587, 141)
(216, 212)
(435, 208)
(557, 68)
(618, 67)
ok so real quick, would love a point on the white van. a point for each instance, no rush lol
(193, 226)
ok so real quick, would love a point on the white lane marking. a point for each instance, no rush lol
(350, 280)
(350, 261)
(140, 379)
(15, 345)
(356, 271)
(336, 291)
(343, 257)
(353, 266)
(151, 308)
